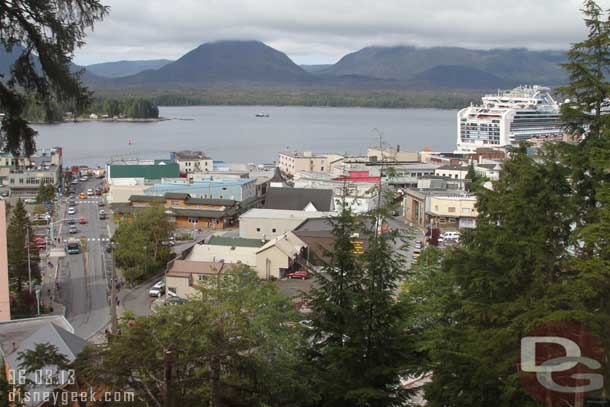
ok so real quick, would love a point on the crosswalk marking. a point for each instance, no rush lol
(96, 239)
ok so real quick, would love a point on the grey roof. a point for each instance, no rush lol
(298, 198)
(191, 155)
(146, 198)
(314, 227)
(454, 167)
(176, 195)
(277, 176)
(209, 201)
(202, 213)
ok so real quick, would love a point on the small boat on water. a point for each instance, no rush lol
(262, 115)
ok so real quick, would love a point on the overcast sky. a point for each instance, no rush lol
(322, 31)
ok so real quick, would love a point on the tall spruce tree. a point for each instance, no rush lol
(19, 228)
(360, 346)
(46, 33)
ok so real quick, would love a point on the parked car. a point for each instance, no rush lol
(84, 178)
(4, 194)
(71, 211)
(451, 236)
(98, 191)
(302, 274)
(306, 323)
(416, 254)
(169, 242)
(72, 229)
(158, 289)
(30, 200)
(82, 220)
(71, 222)
(74, 182)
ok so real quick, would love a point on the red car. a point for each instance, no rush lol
(302, 274)
(82, 220)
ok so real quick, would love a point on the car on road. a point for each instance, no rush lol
(98, 191)
(71, 211)
(82, 195)
(84, 178)
(416, 254)
(102, 215)
(82, 220)
(4, 194)
(100, 203)
(158, 289)
(72, 229)
(30, 200)
(90, 192)
(71, 222)
(418, 244)
(451, 236)
(74, 182)
(300, 274)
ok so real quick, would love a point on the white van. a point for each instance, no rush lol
(451, 236)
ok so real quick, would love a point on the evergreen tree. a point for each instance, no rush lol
(19, 228)
(48, 32)
(360, 346)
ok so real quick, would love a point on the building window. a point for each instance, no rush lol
(451, 209)
(258, 229)
(193, 220)
(273, 230)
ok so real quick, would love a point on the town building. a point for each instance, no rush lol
(190, 161)
(227, 250)
(5, 305)
(291, 163)
(235, 189)
(184, 276)
(146, 170)
(267, 224)
(23, 335)
(25, 183)
(43, 158)
(299, 199)
(445, 209)
(279, 256)
(452, 171)
(391, 155)
(188, 212)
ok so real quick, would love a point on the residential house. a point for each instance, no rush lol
(267, 224)
(299, 199)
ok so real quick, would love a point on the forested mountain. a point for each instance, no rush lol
(117, 69)
(405, 63)
(224, 62)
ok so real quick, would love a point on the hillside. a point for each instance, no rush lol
(117, 69)
(224, 62)
(405, 63)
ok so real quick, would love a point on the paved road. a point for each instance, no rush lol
(83, 277)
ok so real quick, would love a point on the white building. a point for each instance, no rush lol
(193, 161)
(266, 224)
(291, 163)
(509, 117)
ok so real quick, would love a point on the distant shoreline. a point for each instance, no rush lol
(107, 120)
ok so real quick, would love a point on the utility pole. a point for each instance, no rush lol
(27, 242)
(113, 310)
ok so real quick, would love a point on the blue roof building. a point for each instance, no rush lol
(240, 189)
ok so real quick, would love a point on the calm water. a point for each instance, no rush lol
(234, 134)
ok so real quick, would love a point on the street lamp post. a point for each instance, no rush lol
(113, 307)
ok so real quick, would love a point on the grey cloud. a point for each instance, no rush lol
(318, 31)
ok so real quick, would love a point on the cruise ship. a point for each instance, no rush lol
(509, 117)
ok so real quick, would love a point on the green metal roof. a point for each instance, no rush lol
(235, 241)
(146, 171)
(198, 213)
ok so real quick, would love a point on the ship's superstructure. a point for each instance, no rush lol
(508, 117)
